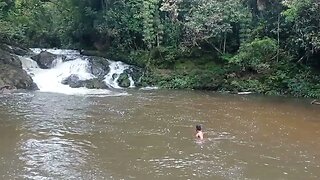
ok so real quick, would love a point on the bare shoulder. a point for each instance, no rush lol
(199, 135)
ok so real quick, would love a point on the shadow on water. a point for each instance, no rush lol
(150, 135)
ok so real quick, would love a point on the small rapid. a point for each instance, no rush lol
(71, 62)
(116, 68)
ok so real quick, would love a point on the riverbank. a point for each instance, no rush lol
(207, 71)
(170, 69)
(250, 47)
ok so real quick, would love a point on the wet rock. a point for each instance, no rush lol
(7, 58)
(65, 58)
(7, 89)
(73, 81)
(124, 80)
(45, 59)
(18, 50)
(136, 74)
(12, 77)
(127, 71)
(114, 76)
(95, 83)
(99, 66)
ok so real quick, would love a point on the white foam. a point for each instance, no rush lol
(116, 68)
(148, 88)
(244, 93)
(56, 51)
(49, 80)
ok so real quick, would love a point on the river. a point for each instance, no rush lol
(150, 135)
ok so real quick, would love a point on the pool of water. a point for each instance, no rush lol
(150, 135)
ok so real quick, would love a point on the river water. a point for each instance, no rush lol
(150, 135)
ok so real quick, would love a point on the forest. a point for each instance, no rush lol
(264, 46)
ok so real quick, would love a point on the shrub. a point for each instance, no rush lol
(257, 55)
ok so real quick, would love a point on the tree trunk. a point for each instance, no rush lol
(278, 34)
(224, 43)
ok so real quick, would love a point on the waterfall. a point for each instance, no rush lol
(50, 80)
(116, 68)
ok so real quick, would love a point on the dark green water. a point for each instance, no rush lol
(150, 135)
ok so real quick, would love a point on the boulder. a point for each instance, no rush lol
(7, 58)
(136, 74)
(12, 77)
(99, 66)
(124, 80)
(95, 83)
(68, 58)
(18, 50)
(45, 59)
(114, 76)
(73, 81)
(7, 89)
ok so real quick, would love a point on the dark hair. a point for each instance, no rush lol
(198, 127)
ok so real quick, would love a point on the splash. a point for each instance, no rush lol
(116, 68)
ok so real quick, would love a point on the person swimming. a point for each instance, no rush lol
(199, 134)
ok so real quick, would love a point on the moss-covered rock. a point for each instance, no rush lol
(124, 80)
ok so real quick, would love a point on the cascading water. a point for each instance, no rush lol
(50, 80)
(116, 68)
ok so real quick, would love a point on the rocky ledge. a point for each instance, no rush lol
(12, 76)
(75, 82)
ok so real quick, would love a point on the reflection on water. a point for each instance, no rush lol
(52, 157)
(150, 135)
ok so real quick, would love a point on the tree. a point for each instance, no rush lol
(152, 27)
(304, 19)
(212, 21)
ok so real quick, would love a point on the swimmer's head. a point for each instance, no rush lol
(198, 128)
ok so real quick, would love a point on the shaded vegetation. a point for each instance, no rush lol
(264, 46)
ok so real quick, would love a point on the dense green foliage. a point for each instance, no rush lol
(265, 46)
